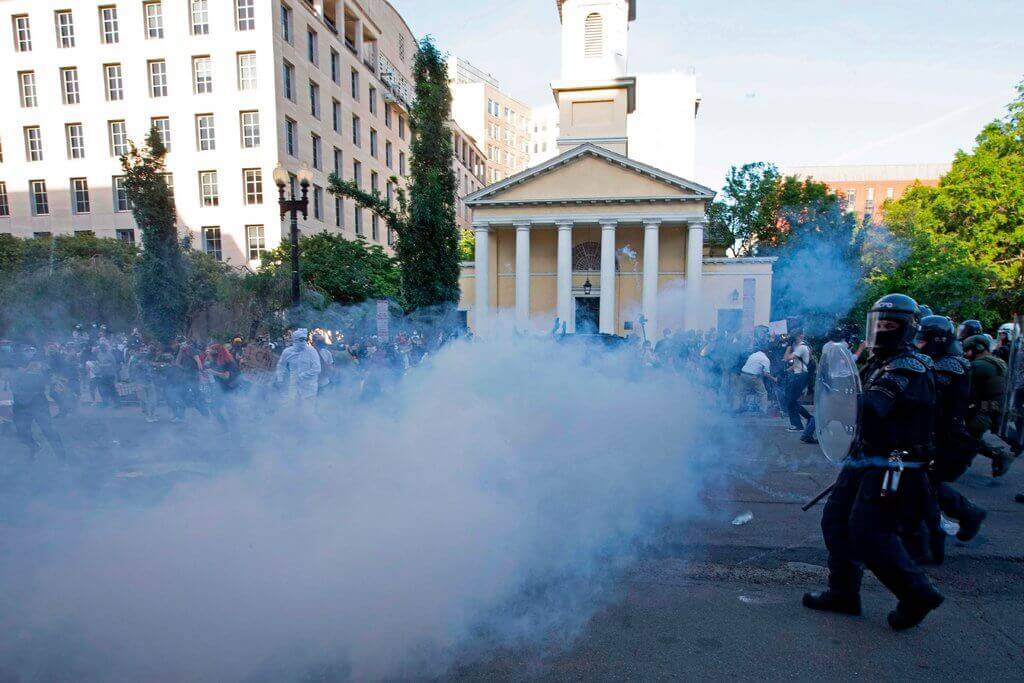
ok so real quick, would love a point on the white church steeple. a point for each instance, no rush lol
(595, 95)
(595, 38)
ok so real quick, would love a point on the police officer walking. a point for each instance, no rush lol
(884, 481)
(988, 386)
(955, 448)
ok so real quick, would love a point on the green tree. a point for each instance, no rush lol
(344, 271)
(467, 246)
(980, 204)
(755, 210)
(427, 239)
(160, 274)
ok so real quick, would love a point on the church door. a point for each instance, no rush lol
(588, 314)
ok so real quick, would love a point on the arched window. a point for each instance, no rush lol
(593, 36)
(586, 256)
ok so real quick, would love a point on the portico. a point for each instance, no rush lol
(537, 252)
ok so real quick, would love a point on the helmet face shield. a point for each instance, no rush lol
(886, 330)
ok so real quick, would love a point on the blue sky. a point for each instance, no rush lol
(787, 81)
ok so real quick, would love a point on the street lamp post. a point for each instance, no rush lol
(293, 206)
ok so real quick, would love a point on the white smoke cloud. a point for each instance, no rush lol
(484, 502)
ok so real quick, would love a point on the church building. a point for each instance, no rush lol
(593, 237)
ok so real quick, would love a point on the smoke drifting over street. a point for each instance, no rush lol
(484, 501)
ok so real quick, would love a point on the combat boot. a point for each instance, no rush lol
(970, 523)
(827, 601)
(910, 613)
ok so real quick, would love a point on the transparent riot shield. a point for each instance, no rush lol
(837, 390)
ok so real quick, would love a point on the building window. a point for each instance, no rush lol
(312, 47)
(65, 28)
(211, 242)
(257, 242)
(200, 18)
(851, 199)
(126, 235)
(387, 115)
(372, 96)
(335, 66)
(33, 143)
(120, 194)
(286, 23)
(355, 85)
(890, 192)
(288, 80)
(357, 173)
(401, 127)
(336, 116)
(40, 202)
(373, 143)
(154, 16)
(374, 182)
(27, 89)
(389, 154)
(339, 212)
(5, 206)
(114, 82)
(162, 124)
(158, 78)
(389, 192)
(69, 85)
(208, 188)
(358, 215)
(205, 135)
(252, 180)
(374, 227)
(118, 134)
(80, 195)
(247, 71)
(202, 75)
(169, 182)
(314, 100)
(76, 141)
(250, 123)
(290, 137)
(318, 154)
(337, 162)
(22, 33)
(318, 202)
(109, 33)
(357, 135)
(401, 163)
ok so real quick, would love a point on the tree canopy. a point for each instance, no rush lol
(423, 221)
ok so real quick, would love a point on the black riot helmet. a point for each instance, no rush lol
(925, 311)
(892, 322)
(968, 328)
(938, 334)
(976, 344)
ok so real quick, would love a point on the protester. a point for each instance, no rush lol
(31, 406)
(798, 359)
(298, 371)
(753, 374)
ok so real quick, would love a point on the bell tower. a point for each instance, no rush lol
(595, 94)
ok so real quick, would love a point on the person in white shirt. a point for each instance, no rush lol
(751, 384)
(798, 356)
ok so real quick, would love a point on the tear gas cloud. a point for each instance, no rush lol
(484, 501)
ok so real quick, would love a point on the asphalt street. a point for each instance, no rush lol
(709, 601)
(719, 601)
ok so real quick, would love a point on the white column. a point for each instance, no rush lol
(522, 276)
(694, 276)
(481, 306)
(607, 310)
(564, 276)
(650, 295)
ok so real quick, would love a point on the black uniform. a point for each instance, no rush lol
(859, 524)
(955, 448)
(869, 506)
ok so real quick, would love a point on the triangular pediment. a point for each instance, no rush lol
(589, 173)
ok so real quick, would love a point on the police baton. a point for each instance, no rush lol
(817, 499)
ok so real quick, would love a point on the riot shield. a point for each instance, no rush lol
(1011, 427)
(837, 392)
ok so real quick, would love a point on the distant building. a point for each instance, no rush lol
(468, 164)
(543, 133)
(866, 188)
(235, 87)
(499, 123)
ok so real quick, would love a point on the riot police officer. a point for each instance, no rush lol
(955, 448)
(968, 328)
(988, 385)
(884, 481)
